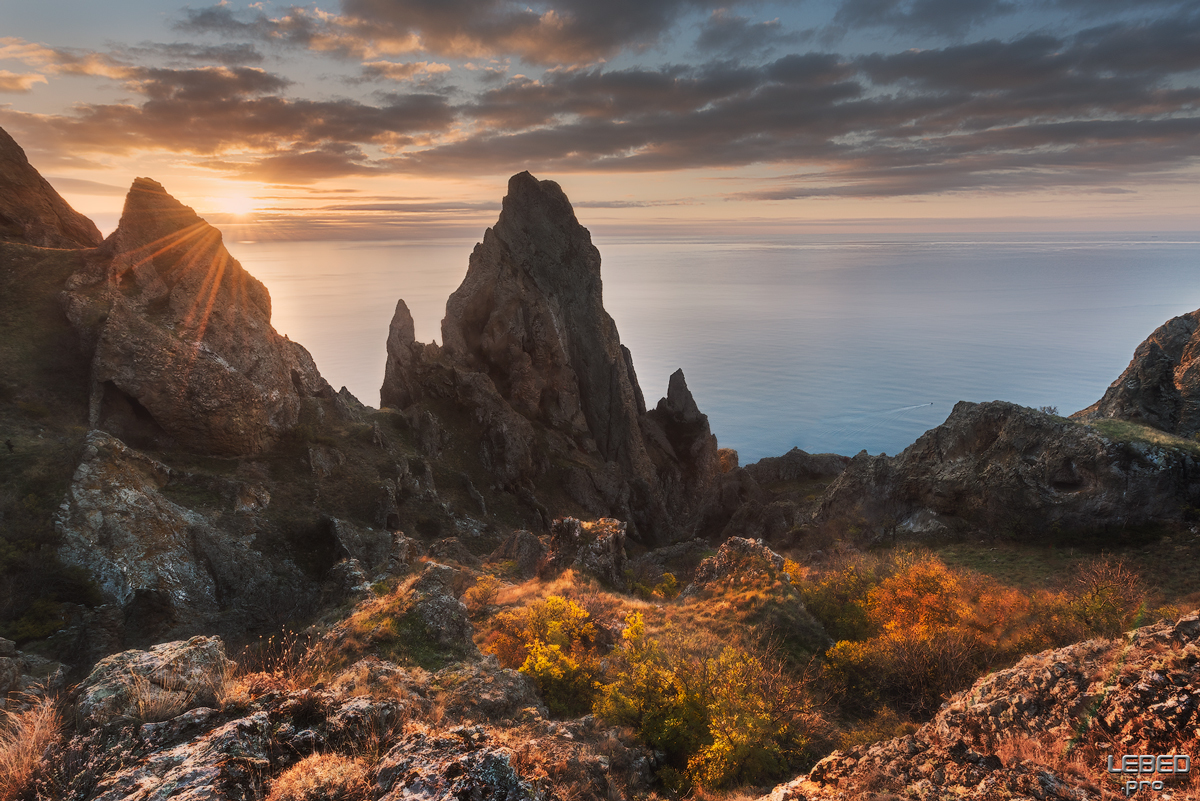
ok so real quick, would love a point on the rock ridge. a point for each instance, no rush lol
(31, 211)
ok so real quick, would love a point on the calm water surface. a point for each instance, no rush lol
(829, 343)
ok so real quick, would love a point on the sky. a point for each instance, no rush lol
(404, 118)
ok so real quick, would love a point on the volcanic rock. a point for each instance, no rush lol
(1161, 385)
(1010, 469)
(31, 211)
(182, 340)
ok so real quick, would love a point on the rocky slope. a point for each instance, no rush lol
(1007, 469)
(530, 353)
(1042, 729)
(1161, 385)
(31, 212)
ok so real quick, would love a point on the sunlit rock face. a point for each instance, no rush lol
(31, 212)
(184, 351)
(1161, 385)
(530, 351)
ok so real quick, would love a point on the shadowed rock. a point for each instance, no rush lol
(183, 346)
(1161, 385)
(530, 314)
(1009, 469)
(31, 211)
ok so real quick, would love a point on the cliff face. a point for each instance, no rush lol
(31, 212)
(1012, 470)
(530, 352)
(1161, 385)
(181, 337)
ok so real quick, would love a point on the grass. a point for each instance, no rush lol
(1125, 431)
(24, 737)
(322, 776)
(1170, 565)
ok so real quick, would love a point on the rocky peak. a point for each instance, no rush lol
(1161, 385)
(530, 313)
(31, 211)
(182, 346)
(530, 351)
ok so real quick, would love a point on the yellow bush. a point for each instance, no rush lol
(551, 641)
(719, 714)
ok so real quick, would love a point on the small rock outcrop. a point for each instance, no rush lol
(31, 212)
(181, 337)
(167, 568)
(529, 351)
(157, 684)
(1161, 385)
(1010, 469)
(593, 547)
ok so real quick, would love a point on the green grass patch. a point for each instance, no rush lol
(1125, 431)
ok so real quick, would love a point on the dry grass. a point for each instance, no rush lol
(320, 777)
(24, 737)
(1078, 766)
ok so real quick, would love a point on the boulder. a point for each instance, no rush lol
(738, 557)
(524, 550)
(31, 212)
(170, 570)
(157, 684)
(593, 547)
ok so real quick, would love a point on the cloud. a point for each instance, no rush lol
(939, 17)
(565, 32)
(728, 33)
(17, 83)
(62, 61)
(392, 71)
(227, 54)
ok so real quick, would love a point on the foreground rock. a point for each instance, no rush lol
(488, 738)
(31, 212)
(155, 685)
(534, 359)
(183, 352)
(1008, 469)
(1043, 729)
(1161, 385)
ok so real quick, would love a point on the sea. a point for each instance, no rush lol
(829, 343)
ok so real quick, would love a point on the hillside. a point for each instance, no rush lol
(516, 578)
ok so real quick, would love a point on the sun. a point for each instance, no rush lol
(240, 205)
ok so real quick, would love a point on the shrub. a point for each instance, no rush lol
(720, 714)
(551, 641)
(320, 777)
(24, 737)
(482, 593)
